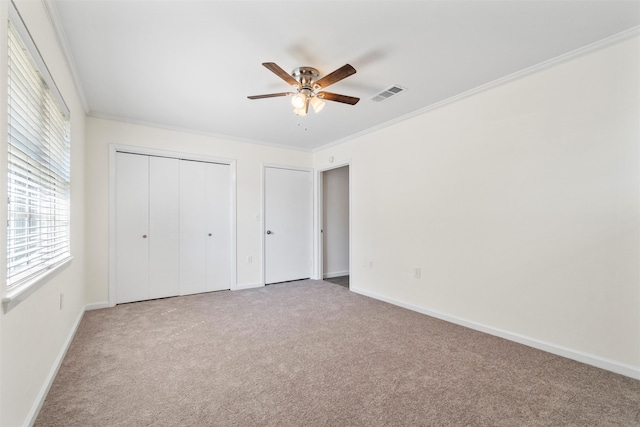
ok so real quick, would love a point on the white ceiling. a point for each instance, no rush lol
(191, 64)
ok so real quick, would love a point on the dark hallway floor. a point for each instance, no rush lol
(342, 281)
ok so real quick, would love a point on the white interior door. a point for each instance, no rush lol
(288, 224)
(164, 227)
(193, 241)
(218, 214)
(147, 227)
(205, 226)
(132, 227)
(173, 223)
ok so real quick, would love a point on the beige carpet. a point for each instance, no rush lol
(312, 353)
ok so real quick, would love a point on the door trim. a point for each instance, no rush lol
(319, 218)
(263, 208)
(115, 148)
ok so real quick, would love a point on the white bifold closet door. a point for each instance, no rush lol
(147, 227)
(173, 227)
(205, 227)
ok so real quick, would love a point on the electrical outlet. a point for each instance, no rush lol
(417, 272)
(249, 259)
(61, 301)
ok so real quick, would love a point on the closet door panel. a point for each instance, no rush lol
(218, 216)
(164, 227)
(193, 233)
(132, 214)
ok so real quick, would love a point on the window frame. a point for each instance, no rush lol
(18, 292)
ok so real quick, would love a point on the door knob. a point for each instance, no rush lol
(268, 231)
(209, 234)
(144, 236)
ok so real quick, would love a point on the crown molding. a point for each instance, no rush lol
(608, 41)
(213, 135)
(56, 23)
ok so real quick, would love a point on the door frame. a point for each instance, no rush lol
(115, 148)
(319, 218)
(263, 242)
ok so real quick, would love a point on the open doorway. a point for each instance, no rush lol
(335, 226)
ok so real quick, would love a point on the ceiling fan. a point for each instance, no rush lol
(309, 87)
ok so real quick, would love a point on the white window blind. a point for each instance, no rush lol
(38, 165)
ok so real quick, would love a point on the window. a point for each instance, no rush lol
(38, 167)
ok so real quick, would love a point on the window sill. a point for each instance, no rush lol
(15, 296)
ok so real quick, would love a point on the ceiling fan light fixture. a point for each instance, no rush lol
(299, 100)
(317, 104)
(300, 111)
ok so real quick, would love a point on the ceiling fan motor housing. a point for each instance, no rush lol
(306, 76)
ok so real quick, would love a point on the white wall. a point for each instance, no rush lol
(34, 334)
(335, 207)
(249, 160)
(520, 204)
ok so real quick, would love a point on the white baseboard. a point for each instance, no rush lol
(336, 274)
(37, 405)
(98, 306)
(248, 286)
(579, 356)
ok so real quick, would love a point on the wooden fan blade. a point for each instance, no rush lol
(270, 95)
(275, 69)
(339, 74)
(351, 100)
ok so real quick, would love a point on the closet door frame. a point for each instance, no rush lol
(115, 148)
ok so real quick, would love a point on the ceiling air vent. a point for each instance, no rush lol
(387, 93)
